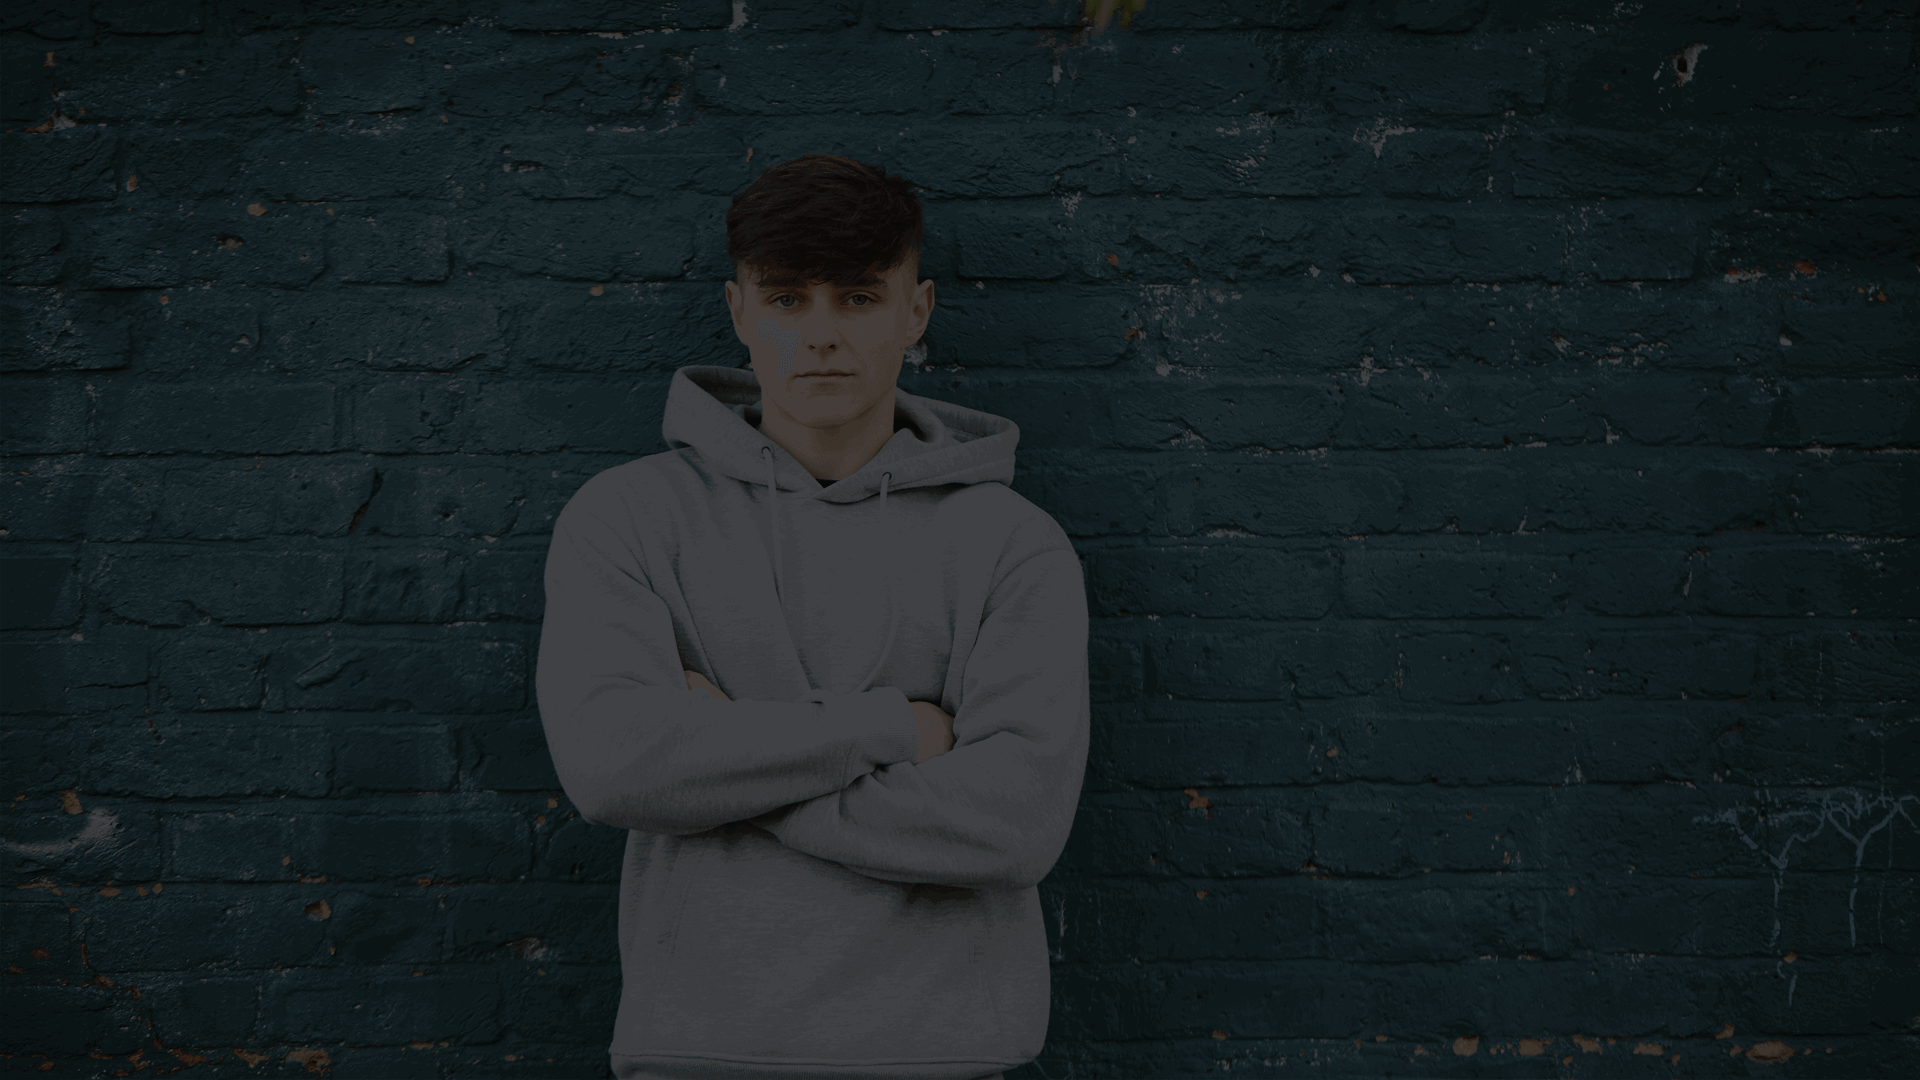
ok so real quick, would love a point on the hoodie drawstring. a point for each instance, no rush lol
(887, 580)
(773, 521)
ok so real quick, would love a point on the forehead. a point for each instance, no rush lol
(788, 279)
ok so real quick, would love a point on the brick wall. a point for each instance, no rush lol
(1489, 429)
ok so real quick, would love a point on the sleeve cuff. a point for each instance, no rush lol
(889, 734)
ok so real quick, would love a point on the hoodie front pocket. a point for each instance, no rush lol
(782, 955)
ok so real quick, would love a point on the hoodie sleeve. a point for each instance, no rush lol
(635, 748)
(993, 812)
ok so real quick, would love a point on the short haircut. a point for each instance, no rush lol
(820, 217)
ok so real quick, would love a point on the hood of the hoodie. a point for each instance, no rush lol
(714, 409)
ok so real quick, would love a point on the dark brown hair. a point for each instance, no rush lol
(821, 217)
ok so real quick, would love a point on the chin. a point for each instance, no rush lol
(825, 414)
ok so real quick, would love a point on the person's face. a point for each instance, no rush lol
(852, 339)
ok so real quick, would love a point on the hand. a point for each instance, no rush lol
(697, 681)
(936, 729)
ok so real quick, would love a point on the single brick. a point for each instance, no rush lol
(1432, 164)
(1875, 163)
(38, 593)
(350, 70)
(304, 1007)
(1618, 579)
(33, 248)
(391, 248)
(170, 932)
(152, 245)
(446, 500)
(72, 165)
(1208, 74)
(1228, 417)
(455, 673)
(1587, 162)
(398, 845)
(202, 330)
(1217, 581)
(215, 845)
(404, 586)
(1441, 77)
(179, 80)
(209, 1010)
(1878, 581)
(72, 1020)
(1634, 241)
(1468, 491)
(409, 162)
(1456, 668)
(303, 496)
(1276, 499)
(104, 842)
(527, 69)
(1444, 919)
(44, 415)
(1656, 664)
(637, 327)
(69, 676)
(1867, 413)
(257, 417)
(387, 331)
(1792, 746)
(508, 755)
(1258, 836)
(618, 237)
(1053, 415)
(1852, 494)
(203, 672)
(495, 922)
(49, 331)
(1270, 919)
(987, 75)
(1027, 243)
(1029, 328)
(1455, 584)
(778, 77)
(175, 749)
(37, 937)
(251, 587)
(1831, 666)
(1267, 665)
(1429, 244)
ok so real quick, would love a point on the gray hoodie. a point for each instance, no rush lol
(799, 899)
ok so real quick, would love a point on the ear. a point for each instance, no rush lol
(921, 310)
(736, 305)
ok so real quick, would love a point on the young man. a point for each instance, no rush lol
(830, 672)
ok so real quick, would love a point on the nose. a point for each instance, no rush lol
(818, 333)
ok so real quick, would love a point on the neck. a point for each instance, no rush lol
(831, 453)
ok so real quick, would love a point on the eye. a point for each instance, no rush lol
(784, 296)
(860, 296)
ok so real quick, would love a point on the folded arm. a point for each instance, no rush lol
(636, 748)
(994, 812)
